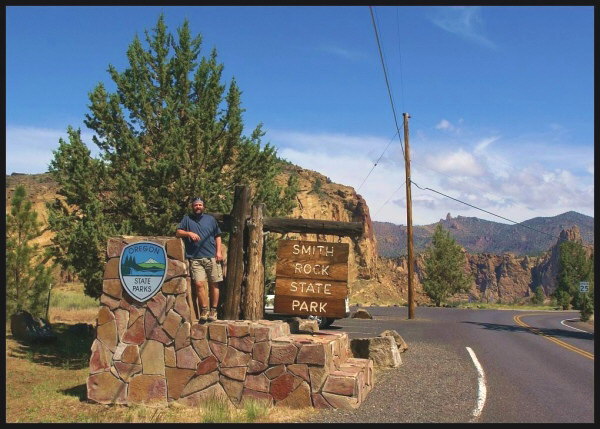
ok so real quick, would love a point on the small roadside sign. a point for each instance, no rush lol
(584, 287)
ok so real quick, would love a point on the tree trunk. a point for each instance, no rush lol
(253, 305)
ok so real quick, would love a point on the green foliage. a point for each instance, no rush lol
(317, 188)
(171, 131)
(28, 280)
(574, 267)
(444, 273)
(538, 297)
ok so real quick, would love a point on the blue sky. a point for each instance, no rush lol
(500, 98)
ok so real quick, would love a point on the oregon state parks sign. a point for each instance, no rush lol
(311, 278)
(142, 269)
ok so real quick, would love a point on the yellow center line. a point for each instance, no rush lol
(551, 338)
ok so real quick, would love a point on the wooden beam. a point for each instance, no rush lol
(313, 226)
(235, 255)
(253, 305)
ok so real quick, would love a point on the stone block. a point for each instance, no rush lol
(284, 353)
(152, 354)
(113, 288)
(175, 249)
(313, 354)
(199, 332)
(262, 333)
(131, 354)
(107, 334)
(158, 306)
(105, 388)
(341, 385)
(147, 389)
(171, 323)
(104, 316)
(243, 344)
(218, 349)
(402, 346)
(235, 357)
(187, 358)
(176, 285)
(207, 365)
(200, 382)
(109, 301)
(275, 371)
(153, 329)
(301, 370)
(182, 308)
(261, 351)
(134, 314)
(235, 373)
(258, 382)
(254, 367)
(111, 269)
(299, 398)
(341, 401)
(238, 329)
(257, 396)
(177, 378)
(122, 320)
(281, 386)
(176, 268)
(319, 402)
(182, 337)
(383, 351)
(199, 398)
(202, 348)
(101, 357)
(135, 333)
(127, 370)
(317, 377)
(217, 332)
(233, 388)
(114, 247)
(170, 357)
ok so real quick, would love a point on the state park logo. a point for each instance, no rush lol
(142, 269)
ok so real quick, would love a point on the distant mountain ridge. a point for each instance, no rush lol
(483, 236)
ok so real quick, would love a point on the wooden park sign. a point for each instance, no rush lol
(311, 278)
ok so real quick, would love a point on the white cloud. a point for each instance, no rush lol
(444, 124)
(29, 149)
(460, 163)
(463, 21)
(344, 53)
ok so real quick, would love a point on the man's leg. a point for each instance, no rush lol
(200, 280)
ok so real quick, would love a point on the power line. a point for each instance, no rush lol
(389, 198)
(475, 207)
(387, 83)
(376, 162)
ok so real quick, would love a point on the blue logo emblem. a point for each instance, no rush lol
(142, 269)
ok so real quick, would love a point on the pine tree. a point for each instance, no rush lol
(171, 131)
(28, 280)
(574, 267)
(444, 271)
(538, 297)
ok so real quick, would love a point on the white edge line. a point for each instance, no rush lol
(481, 391)
(562, 322)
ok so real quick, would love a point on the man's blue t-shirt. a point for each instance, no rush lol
(207, 228)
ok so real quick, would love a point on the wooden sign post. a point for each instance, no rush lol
(312, 278)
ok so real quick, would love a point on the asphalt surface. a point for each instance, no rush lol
(528, 377)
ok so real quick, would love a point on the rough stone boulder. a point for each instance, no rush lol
(402, 346)
(361, 314)
(383, 351)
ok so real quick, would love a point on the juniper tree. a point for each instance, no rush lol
(171, 130)
(444, 271)
(574, 267)
(28, 280)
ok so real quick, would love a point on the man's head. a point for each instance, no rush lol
(197, 205)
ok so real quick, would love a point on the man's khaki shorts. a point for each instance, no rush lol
(206, 268)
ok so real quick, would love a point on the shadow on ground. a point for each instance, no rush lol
(558, 333)
(70, 349)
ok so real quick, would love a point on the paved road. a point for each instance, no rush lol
(536, 368)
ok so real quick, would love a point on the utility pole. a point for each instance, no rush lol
(411, 268)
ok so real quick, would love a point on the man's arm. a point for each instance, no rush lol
(219, 255)
(182, 233)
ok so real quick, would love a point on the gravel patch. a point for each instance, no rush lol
(433, 385)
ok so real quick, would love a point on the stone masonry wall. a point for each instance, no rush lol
(151, 352)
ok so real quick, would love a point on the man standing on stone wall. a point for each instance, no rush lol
(202, 238)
